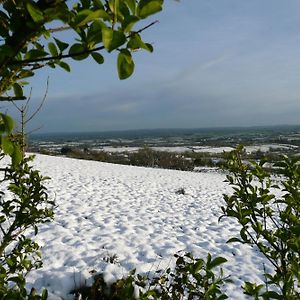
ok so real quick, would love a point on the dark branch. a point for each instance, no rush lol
(41, 104)
(60, 56)
(58, 29)
(146, 27)
(12, 98)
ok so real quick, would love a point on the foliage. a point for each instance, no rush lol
(21, 209)
(65, 150)
(29, 41)
(145, 157)
(192, 278)
(269, 215)
(149, 157)
(160, 159)
(7, 143)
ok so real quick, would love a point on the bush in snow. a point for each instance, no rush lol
(23, 206)
(192, 278)
(269, 215)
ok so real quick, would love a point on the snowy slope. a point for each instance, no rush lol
(135, 213)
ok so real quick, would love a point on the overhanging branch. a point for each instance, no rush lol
(61, 56)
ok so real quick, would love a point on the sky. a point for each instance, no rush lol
(216, 63)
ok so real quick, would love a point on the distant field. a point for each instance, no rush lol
(181, 138)
(188, 149)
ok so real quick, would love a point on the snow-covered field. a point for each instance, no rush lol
(136, 214)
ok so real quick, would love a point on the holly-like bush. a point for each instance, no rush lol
(23, 206)
(268, 211)
(191, 278)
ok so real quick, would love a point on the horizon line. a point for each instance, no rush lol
(170, 128)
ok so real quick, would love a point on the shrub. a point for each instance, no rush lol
(180, 191)
(268, 221)
(148, 157)
(24, 207)
(65, 150)
(192, 278)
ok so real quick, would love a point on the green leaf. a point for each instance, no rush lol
(98, 58)
(107, 36)
(25, 74)
(222, 297)
(46, 34)
(16, 279)
(125, 64)
(233, 240)
(44, 295)
(216, 262)
(252, 288)
(75, 50)
(7, 145)
(8, 123)
(272, 295)
(128, 23)
(10, 263)
(114, 6)
(53, 49)
(35, 53)
(85, 3)
(87, 15)
(198, 265)
(18, 90)
(51, 65)
(112, 39)
(149, 7)
(64, 65)
(136, 43)
(17, 156)
(149, 47)
(98, 4)
(35, 13)
(61, 45)
(94, 33)
(131, 4)
(244, 235)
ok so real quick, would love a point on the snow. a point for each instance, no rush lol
(269, 147)
(133, 213)
(176, 149)
(117, 149)
(215, 150)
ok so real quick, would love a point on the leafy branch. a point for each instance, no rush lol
(268, 222)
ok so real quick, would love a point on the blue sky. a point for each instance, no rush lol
(216, 63)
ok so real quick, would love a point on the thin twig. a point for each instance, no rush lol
(144, 28)
(34, 130)
(41, 104)
(58, 29)
(16, 106)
